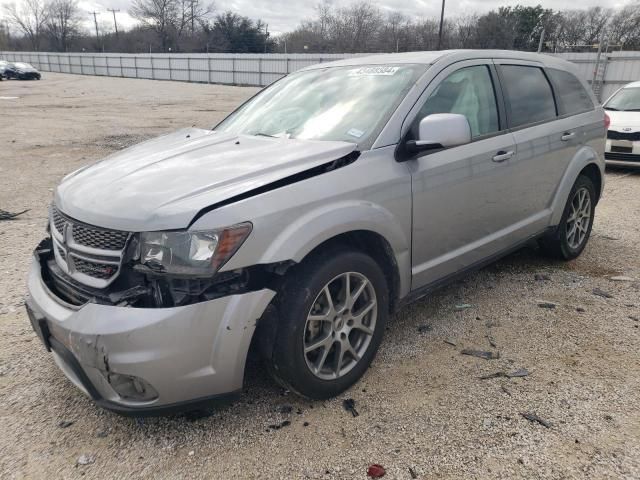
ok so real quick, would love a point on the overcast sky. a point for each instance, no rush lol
(284, 15)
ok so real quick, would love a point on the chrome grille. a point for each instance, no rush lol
(90, 255)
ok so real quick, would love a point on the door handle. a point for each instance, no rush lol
(566, 136)
(502, 155)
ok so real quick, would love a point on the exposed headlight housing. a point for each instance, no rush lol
(192, 253)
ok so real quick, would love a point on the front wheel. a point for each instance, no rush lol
(572, 234)
(332, 313)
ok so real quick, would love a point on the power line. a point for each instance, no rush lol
(115, 22)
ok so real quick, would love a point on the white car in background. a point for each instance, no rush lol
(623, 136)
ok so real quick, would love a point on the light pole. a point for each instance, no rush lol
(441, 22)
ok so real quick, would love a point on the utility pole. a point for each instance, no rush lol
(115, 22)
(541, 42)
(441, 22)
(95, 19)
(266, 35)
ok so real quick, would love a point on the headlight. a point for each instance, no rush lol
(198, 253)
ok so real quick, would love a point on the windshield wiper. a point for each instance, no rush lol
(264, 135)
(612, 109)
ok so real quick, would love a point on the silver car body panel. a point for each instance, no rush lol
(190, 352)
(438, 214)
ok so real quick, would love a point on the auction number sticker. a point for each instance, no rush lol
(380, 70)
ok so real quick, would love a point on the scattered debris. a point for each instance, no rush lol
(607, 237)
(4, 215)
(580, 310)
(621, 278)
(349, 404)
(492, 341)
(413, 473)
(545, 304)
(278, 426)
(424, 328)
(376, 471)
(532, 417)
(481, 354)
(505, 390)
(65, 424)
(102, 434)
(635, 319)
(191, 453)
(521, 372)
(601, 293)
(542, 277)
(463, 306)
(85, 459)
(450, 342)
(305, 424)
(285, 408)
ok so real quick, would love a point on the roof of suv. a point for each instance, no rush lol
(431, 57)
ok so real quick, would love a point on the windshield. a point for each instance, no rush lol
(627, 99)
(22, 65)
(340, 103)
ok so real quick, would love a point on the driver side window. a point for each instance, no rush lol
(469, 92)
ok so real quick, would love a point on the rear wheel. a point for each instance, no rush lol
(332, 313)
(572, 234)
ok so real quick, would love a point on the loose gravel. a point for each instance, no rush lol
(424, 410)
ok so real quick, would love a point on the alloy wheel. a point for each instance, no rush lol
(340, 325)
(579, 218)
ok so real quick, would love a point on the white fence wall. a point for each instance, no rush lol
(233, 69)
(263, 69)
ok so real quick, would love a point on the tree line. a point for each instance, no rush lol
(194, 26)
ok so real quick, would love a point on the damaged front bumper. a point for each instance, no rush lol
(148, 361)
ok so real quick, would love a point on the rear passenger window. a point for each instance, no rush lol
(528, 93)
(571, 95)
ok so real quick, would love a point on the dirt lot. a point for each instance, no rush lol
(423, 410)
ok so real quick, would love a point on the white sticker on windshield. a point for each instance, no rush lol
(379, 70)
(354, 132)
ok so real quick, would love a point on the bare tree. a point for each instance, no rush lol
(63, 21)
(30, 18)
(157, 15)
(624, 26)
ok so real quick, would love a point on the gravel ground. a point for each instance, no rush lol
(424, 411)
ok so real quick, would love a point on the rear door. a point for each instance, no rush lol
(546, 140)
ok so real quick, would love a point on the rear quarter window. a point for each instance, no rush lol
(528, 94)
(571, 96)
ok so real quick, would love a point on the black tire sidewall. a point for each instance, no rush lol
(297, 296)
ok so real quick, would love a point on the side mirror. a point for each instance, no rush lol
(441, 130)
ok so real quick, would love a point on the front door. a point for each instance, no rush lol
(463, 205)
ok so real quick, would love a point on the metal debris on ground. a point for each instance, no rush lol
(413, 473)
(65, 424)
(532, 417)
(349, 404)
(278, 426)
(545, 304)
(542, 277)
(376, 471)
(463, 306)
(521, 372)
(4, 215)
(621, 278)
(492, 341)
(601, 293)
(505, 390)
(481, 354)
(450, 342)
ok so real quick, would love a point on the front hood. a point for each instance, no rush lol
(162, 183)
(621, 120)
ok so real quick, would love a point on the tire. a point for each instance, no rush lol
(567, 242)
(306, 320)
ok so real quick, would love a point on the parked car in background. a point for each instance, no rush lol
(623, 135)
(3, 66)
(305, 218)
(21, 71)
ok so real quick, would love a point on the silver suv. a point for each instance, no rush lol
(305, 218)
